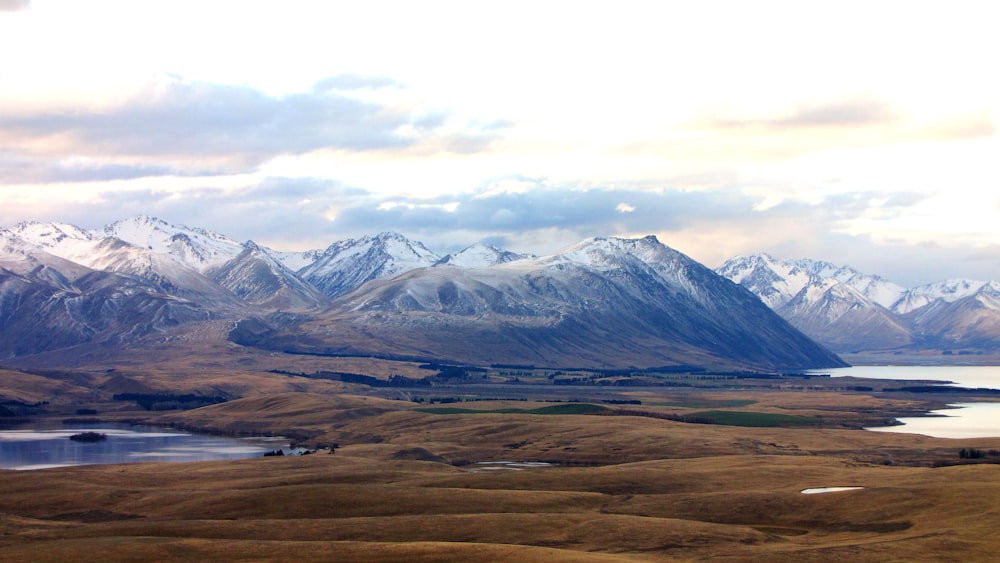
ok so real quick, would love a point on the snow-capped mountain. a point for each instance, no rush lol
(261, 279)
(348, 264)
(22, 257)
(947, 291)
(480, 255)
(50, 236)
(966, 317)
(601, 302)
(198, 249)
(777, 282)
(101, 251)
(850, 311)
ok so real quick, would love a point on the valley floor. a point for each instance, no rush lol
(409, 481)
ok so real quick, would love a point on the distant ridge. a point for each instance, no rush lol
(852, 312)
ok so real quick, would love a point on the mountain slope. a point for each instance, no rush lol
(260, 279)
(605, 302)
(38, 316)
(963, 319)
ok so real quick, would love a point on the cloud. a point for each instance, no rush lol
(514, 209)
(285, 213)
(14, 5)
(353, 81)
(805, 129)
(198, 119)
(849, 113)
(193, 125)
(30, 169)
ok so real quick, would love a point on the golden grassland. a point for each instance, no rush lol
(405, 484)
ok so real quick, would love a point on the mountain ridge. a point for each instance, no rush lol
(849, 311)
(603, 302)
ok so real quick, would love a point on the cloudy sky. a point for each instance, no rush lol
(864, 133)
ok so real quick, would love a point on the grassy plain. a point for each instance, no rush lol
(630, 476)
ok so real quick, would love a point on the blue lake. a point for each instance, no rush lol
(30, 448)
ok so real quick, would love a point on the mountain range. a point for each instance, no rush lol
(604, 302)
(849, 311)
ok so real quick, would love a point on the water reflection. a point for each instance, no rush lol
(31, 448)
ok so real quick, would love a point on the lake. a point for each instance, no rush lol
(965, 420)
(32, 448)
(962, 376)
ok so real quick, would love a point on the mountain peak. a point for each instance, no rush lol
(346, 265)
(196, 248)
(480, 255)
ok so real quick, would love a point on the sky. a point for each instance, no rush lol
(862, 133)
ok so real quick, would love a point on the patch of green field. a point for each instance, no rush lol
(570, 408)
(753, 419)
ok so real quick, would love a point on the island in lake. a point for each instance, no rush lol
(89, 437)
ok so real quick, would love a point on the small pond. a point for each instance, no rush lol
(34, 448)
(821, 490)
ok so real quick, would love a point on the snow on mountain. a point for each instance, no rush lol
(196, 248)
(153, 244)
(838, 306)
(295, 261)
(259, 278)
(348, 264)
(21, 257)
(841, 317)
(49, 235)
(480, 255)
(948, 291)
(961, 320)
(775, 282)
(58, 239)
(78, 248)
(848, 310)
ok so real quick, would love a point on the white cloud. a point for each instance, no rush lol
(14, 5)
